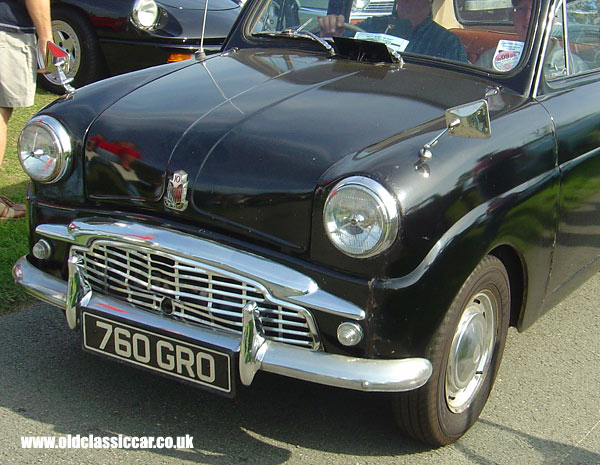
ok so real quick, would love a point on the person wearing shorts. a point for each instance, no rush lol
(20, 21)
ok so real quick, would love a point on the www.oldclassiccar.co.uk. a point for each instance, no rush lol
(107, 442)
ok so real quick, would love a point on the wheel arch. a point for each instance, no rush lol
(517, 275)
(78, 10)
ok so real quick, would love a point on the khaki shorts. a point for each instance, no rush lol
(18, 66)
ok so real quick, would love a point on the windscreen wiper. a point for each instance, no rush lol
(298, 33)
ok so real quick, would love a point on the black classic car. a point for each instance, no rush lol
(345, 208)
(107, 37)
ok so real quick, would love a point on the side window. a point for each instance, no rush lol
(583, 17)
(574, 45)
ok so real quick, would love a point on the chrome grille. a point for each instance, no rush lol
(190, 290)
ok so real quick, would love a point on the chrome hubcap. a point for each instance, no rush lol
(64, 35)
(471, 351)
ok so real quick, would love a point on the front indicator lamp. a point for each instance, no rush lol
(42, 250)
(349, 334)
(174, 57)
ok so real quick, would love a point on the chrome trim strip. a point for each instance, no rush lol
(544, 49)
(40, 285)
(280, 281)
(255, 352)
(566, 44)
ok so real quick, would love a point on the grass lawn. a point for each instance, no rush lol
(13, 184)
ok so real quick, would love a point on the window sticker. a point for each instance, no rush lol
(393, 42)
(507, 55)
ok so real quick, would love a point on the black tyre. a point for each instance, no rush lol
(72, 31)
(465, 352)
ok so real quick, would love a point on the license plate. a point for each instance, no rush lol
(157, 352)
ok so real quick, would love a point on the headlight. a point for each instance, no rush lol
(44, 149)
(361, 217)
(145, 14)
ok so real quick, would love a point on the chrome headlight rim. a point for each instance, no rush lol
(135, 18)
(62, 142)
(388, 206)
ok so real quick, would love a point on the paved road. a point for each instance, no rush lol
(545, 408)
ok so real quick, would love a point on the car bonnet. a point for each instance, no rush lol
(254, 132)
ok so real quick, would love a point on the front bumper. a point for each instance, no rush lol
(255, 352)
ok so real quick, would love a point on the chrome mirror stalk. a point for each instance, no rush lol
(471, 120)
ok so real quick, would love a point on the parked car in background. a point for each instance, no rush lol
(108, 37)
(333, 209)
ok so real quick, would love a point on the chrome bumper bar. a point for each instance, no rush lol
(255, 352)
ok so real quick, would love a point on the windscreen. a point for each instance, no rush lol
(489, 34)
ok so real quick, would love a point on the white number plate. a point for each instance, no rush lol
(157, 352)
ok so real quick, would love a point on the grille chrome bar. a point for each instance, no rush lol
(194, 292)
(280, 281)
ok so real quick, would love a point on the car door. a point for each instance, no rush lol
(570, 91)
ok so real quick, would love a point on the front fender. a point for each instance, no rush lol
(406, 310)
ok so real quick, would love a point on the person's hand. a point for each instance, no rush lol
(331, 25)
(42, 51)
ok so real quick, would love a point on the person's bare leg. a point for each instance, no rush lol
(4, 117)
(8, 209)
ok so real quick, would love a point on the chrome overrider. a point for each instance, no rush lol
(255, 352)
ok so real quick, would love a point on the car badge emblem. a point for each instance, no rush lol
(176, 197)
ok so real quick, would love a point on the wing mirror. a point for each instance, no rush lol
(57, 62)
(469, 120)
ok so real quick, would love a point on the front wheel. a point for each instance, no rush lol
(465, 352)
